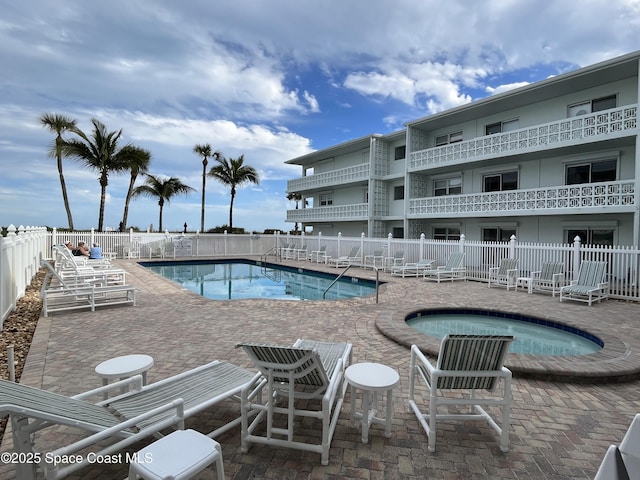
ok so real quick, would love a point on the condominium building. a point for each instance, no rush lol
(547, 162)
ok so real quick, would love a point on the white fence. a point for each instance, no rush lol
(22, 249)
(20, 254)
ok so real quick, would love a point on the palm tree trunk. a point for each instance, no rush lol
(204, 182)
(103, 197)
(125, 214)
(160, 219)
(231, 213)
(65, 198)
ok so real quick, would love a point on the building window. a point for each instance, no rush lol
(588, 236)
(592, 172)
(447, 186)
(595, 105)
(500, 127)
(325, 199)
(448, 138)
(446, 233)
(400, 152)
(398, 192)
(500, 182)
(397, 232)
(497, 234)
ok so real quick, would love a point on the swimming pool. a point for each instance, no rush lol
(534, 336)
(243, 279)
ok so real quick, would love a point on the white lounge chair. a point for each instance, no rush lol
(305, 380)
(505, 274)
(121, 421)
(613, 466)
(346, 260)
(452, 270)
(549, 278)
(412, 269)
(590, 285)
(471, 364)
(60, 294)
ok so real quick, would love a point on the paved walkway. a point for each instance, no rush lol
(559, 430)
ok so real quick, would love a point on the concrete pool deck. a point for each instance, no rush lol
(558, 429)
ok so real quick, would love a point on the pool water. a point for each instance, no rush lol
(532, 336)
(224, 280)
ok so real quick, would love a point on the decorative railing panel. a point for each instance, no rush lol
(357, 173)
(613, 122)
(612, 196)
(357, 211)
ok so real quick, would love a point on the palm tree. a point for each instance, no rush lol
(205, 152)
(138, 164)
(233, 173)
(296, 197)
(59, 124)
(101, 153)
(162, 189)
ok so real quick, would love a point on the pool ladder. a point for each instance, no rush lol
(377, 270)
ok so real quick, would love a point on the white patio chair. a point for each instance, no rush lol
(121, 421)
(375, 260)
(454, 269)
(472, 365)
(505, 274)
(590, 285)
(343, 261)
(318, 256)
(305, 380)
(549, 278)
(612, 466)
(630, 448)
(394, 261)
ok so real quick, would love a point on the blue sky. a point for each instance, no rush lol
(272, 80)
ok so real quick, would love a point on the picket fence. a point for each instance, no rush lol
(23, 248)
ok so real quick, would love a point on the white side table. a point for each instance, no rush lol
(124, 367)
(372, 378)
(525, 282)
(180, 455)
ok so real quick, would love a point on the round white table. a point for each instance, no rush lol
(124, 367)
(372, 378)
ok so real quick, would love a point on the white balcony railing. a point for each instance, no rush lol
(356, 173)
(569, 131)
(357, 211)
(609, 197)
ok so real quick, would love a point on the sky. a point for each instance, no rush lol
(270, 80)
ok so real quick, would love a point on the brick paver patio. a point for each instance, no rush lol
(559, 429)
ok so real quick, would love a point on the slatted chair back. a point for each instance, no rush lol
(469, 354)
(591, 273)
(507, 264)
(455, 260)
(289, 365)
(549, 269)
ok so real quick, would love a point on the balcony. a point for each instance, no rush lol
(613, 123)
(342, 176)
(357, 211)
(606, 197)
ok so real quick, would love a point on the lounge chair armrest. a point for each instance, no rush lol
(512, 272)
(418, 356)
(536, 273)
(493, 270)
(177, 405)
